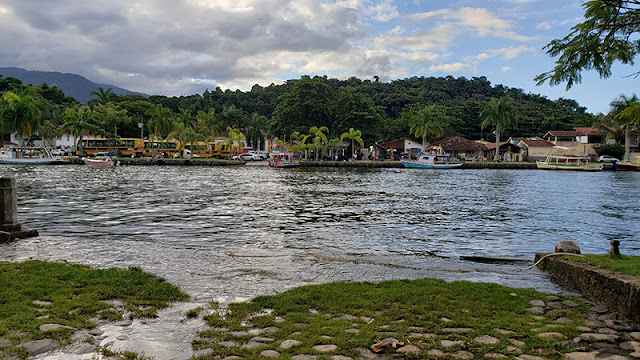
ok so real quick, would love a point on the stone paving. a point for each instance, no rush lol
(603, 335)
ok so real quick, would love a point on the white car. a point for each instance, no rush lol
(251, 156)
(607, 158)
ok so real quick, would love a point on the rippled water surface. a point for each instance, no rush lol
(232, 233)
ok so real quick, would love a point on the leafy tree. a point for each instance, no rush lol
(160, 121)
(207, 123)
(357, 110)
(109, 118)
(354, 136)
(427, 120)
(19, 113)
(183, 133)
(254, 130)
(232, 117)
(234, 136)
(103, 96)
(606, 36)
(185, 117)
(48, 132)
(626, 112)
(78, 119)
(498, 113)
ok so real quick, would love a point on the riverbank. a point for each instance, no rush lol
(318, 164)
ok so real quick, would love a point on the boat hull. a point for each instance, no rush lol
(93, 162)
(416, 165)
(626, 166)
(31, 161)
(585, 167)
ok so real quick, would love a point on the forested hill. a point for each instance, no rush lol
(73, 85)
(322, 101)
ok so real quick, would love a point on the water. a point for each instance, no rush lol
(232, 233)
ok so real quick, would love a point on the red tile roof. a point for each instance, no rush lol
(587, 130)
(563, 133)
(457, 143)
(535, 142)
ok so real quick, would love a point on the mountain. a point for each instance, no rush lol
(73, 85)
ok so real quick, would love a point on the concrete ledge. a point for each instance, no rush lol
(19, 234)
(618, 291)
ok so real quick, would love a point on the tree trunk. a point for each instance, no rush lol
(424, 143)
(497, 155)
(353, 148)
(627, 144)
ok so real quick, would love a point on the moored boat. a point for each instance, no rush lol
(633, 165)
(432, 161)
(559, 162)
(282, 160)
(105, 161)
(29, 156)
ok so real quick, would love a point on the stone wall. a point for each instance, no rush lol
(618, 291)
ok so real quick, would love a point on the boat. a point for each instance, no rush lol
(627, 165)
(562, 162)
(103, 161)
(279, 159)
(29, 156)
(432, 161)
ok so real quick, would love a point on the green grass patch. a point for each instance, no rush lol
(625, 264)
(73, 294)
(330, 313)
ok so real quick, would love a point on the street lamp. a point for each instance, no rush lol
(140, 125)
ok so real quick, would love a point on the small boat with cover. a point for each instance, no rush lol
(628, 165)
(562, 162)
(20, 155)
(432, 161)
(279, 159)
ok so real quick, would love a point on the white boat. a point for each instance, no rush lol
(282, 160)
(432, 161)
(560, 162)
(28, 156)
(105, 161)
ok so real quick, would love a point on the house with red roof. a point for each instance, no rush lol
(459, 147)
(532, 148)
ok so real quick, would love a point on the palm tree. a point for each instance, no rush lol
(430, 120)
(234, 136)
(626, 114)
(20, 113)
(499, 113)
(103, 96)
(160, 122)
(354, 136)
(316, 132)
(254, 130)
(48, 131)
(183, 133)
(77, 120)
(185, 117)
(208, 123)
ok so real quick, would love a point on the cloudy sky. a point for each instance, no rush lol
(182, 47)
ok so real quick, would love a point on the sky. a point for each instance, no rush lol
(183, 47)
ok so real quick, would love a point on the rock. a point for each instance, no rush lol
(581, 356)
(96, 332)
(529, 357)
(435, 352)
(228, 343)
(555, 305)
(567, 246)
(606, 331)
(537, 303)
(635, 335)
(232, 358)
(420, 335)
(603, 345)
(41, 303)
(569, 304)
(486, 339)
(584, 329)
(123, 323)
(4, 343)
(269, 353)
(635, 355)
(325, 348)
(537, 310)
(202, 352)
(82, 348)
(42, 317)
(445, 319)
(608, 316)
(262, 339)
(352, 331)
(450, 343)
(270, 330)
(289, 343)
(366, 319)
(564, 320)
(554, 335)
(304, 357)
(543, 351)
(600, 309)
(633, 346)
(594, 323)
(52, 327)
(456, 330)
(409, 349)
(465, 355)
(581, 346)
(592, 338)
(552, 298)
(514, 349)
(366, 353)
(327, 337)
(504, 332)
(495, 356)
(300, 325)
(617, 325)
(517, 343)
(340, 357)
(37, 347)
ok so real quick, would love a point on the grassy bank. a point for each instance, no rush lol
(33, 293)
(625, 264)
(354, 316)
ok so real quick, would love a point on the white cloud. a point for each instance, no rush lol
(448, 68)
(383, 11)
(505, 68)
(481, 20)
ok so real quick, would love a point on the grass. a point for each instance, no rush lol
(380, 310)
(75, 293)
(625, 264)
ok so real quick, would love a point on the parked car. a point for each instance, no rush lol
(251, 156)
(607, 158)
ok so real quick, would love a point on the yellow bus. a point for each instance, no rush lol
(222, 151)
(120, 147)
(199, 149)
(161, 148)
